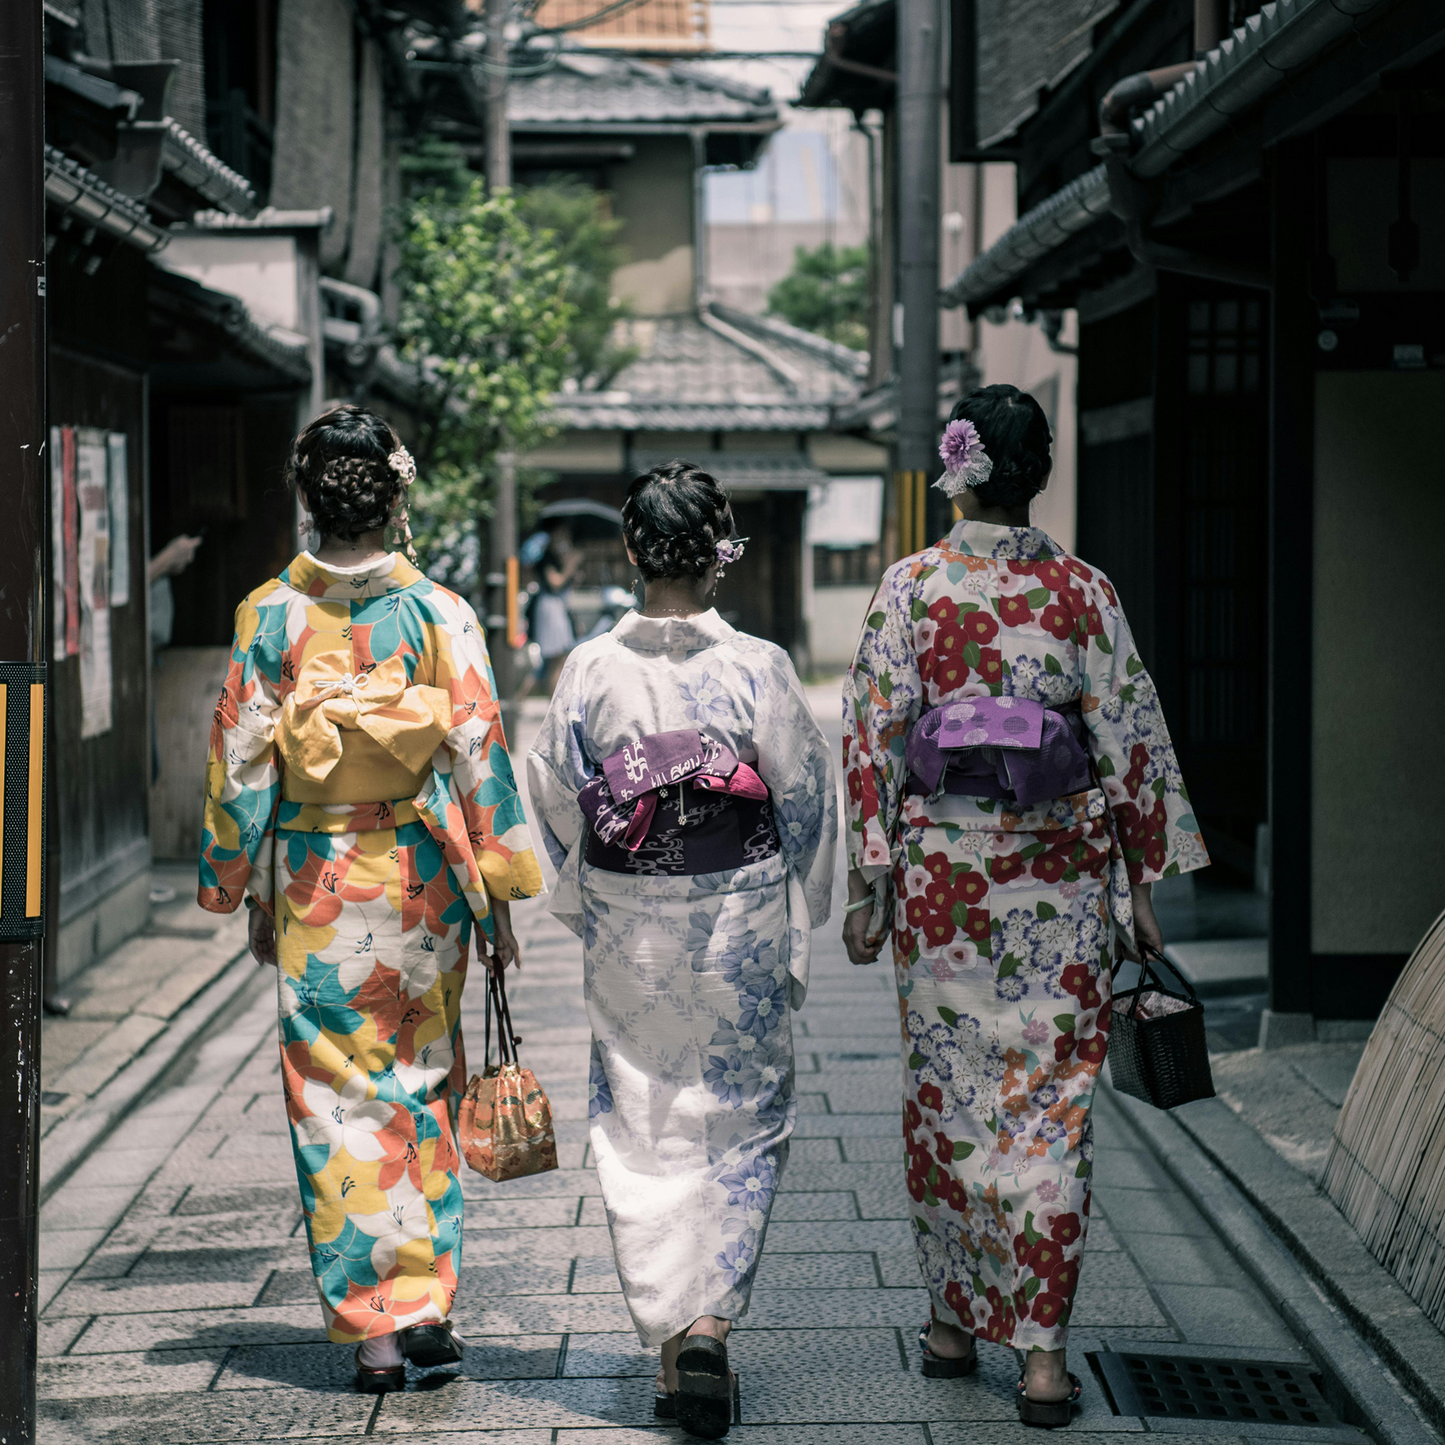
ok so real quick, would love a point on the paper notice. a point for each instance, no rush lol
(57, 545)
(92, 490)
(119, 478)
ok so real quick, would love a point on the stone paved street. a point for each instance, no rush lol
(179, 1306)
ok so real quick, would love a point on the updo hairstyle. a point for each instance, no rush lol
(1015, 434)
(673, 519)
(340, 465)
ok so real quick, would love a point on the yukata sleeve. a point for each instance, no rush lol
(474, 803)
(1132, 751)
(882, 695)
(243, 776)
(558, 768)
(794, 761)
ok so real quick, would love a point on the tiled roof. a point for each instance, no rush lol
(691, 377)
(73, 188)
(583, 91)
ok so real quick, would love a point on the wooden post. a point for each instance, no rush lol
(1294, 321)
(22, 641)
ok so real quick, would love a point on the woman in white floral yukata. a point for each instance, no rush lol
(687, 798)
(1012, 794)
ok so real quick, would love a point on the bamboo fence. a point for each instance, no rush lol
(1386, 1166)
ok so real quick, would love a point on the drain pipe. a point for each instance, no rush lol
(1128, 198)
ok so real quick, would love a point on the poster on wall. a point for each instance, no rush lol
(57, 545)
(70, 561)
(119, 478)
(92, 490)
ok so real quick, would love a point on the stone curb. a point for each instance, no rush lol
(1249, 1229)
(72, 1141)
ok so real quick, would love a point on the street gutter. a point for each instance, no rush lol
(1365, 1303)
(72, 1141)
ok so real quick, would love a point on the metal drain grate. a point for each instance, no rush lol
(1186, 1387)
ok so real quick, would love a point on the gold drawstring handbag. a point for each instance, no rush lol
(505, 1121)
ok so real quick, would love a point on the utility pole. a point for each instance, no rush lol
(22, 696)
(919, 116)
(504, 575)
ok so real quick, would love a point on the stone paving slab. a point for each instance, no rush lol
(188, 1419)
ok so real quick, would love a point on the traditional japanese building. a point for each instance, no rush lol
(1242, 205)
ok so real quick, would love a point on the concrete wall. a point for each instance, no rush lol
(1378, 852)
(315, 112)
(652, 195)
(835, 625)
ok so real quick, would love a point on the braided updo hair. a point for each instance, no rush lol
(1015, 434)
(673, 519)
(340, 463)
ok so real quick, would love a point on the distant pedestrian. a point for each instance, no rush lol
(550, 623)
(688, 801)
(360, 798)
(1003, 875)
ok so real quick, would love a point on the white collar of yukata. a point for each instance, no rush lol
(672, 634)
(989, 539)
(389, 573)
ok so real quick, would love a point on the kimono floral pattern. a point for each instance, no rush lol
(1003, 917)
(689, 979)
(375, 905)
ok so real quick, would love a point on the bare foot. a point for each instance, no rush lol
(1046, 1376)
(949, 1342)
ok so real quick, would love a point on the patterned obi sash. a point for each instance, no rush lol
(677, 803)
(1011, 748)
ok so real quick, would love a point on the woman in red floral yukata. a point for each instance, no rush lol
(1012, 795)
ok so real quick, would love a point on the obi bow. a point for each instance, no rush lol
(409, 722)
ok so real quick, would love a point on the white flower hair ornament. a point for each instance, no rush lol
(402, 463)
(729, 550)
(965, 462)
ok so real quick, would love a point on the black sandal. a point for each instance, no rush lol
(664, 1406)
(1049, 1414)
(704, 1399)
(940, 1367)
(371, 1380)
(428, 1345)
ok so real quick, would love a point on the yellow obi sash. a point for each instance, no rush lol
(358, 738)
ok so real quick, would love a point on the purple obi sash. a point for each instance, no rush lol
(676, 803)
(1011, 748)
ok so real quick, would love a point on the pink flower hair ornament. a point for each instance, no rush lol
(965, 462)
(729, 550)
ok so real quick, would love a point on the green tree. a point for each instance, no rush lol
(584, 231)
(826, 292)
(484, 317)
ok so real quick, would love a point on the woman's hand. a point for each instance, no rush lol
(863, 947)
(261, 934)
(1146, 925)
(505, 950)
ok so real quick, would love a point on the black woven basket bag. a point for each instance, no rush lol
(1163, 1060)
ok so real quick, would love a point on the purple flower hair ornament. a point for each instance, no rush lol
(965, 462)
(729, 550)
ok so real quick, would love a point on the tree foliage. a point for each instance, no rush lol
(584, 232)
(827, 293)
(484, 317)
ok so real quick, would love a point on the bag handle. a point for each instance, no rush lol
(507, 1039)
(1148, 957)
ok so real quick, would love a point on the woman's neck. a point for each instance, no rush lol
(676, 596)
(972, 510)
(348, 552)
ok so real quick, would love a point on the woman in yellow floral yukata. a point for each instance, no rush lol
(359, 797)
